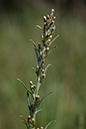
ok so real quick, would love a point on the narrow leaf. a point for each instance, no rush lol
(51, 50)
(38, 111)
(46, 68)
(36, 51)
(24, 85)
(39, 27)
(33, 43)
(25, 122)
(43, 99)
(34, 69)
(37, 55)
(28, 99)
(49, 124)
(53, 40)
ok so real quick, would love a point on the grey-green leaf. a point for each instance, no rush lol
(46, 68)
(49, 124)
(25, 122)
(43, 99)
(28, 100)
(51, 50)
(53, 40)
(24, 85)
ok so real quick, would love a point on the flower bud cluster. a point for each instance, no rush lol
(31, 121)
(48, 30)
(42, 76)
(32, 87)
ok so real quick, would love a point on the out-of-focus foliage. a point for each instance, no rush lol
(66, 77)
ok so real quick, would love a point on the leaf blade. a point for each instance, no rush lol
(24, 85)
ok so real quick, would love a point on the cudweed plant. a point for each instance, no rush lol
(42, 50)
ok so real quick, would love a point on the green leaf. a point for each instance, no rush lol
(38, 111)
(51, 50)
(46, 68)
(36, 50)
(33, 43)
(49, 124)
(43, 99)
(25, 122)
(53, 40)
(24, 85)
(39, 27)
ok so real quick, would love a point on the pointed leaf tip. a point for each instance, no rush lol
(39, 27)
(49, 124)
(46, 68)
(53, 40)
(24, 85)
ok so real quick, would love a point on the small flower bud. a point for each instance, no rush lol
(47, 48)
(37, 128)
(29, 119)
(33, 87)
(48, 16)
(42, 77)
(54, 17)
(37, 68)
(45, 19)
(50, 36)
(52, 21)
(33, 122)
(44, 24)
(41, 128)
(37, 99)
(39, 46)
(42, 70)
(52, 11)
(31, 83)
(53, 28)
(48, 41)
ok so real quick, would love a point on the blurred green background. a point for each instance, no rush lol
(66, 77)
